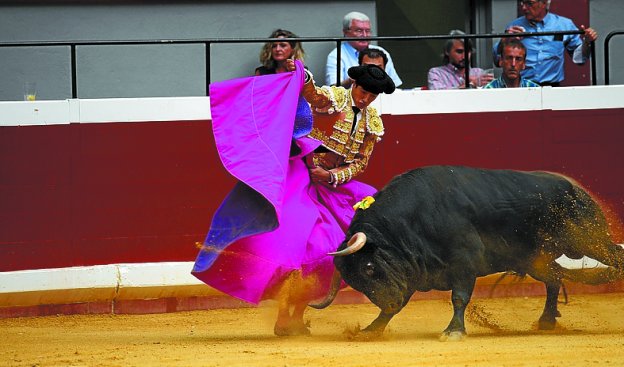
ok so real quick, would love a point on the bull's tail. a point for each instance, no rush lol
(591, 229)
(593, 276)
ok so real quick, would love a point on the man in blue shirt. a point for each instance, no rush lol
(354, 24)
(545, 54)
(513, 57)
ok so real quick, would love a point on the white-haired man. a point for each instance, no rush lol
(354, 24)
(545, 54)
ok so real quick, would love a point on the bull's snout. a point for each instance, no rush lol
(386, 303)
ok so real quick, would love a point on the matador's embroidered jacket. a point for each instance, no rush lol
(348, 148)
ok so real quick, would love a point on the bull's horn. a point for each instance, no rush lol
(355, 243)
(331, 295)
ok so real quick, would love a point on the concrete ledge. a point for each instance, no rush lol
(104, 276)
(92, 284)
(169, 287)
(57, 296)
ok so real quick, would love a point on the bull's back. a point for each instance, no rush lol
(476, 190)
(510, 211)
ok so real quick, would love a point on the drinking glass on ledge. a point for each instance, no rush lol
(30, 91)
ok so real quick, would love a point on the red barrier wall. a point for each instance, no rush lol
(89, 194)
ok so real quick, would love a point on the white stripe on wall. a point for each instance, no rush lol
(100, 283)
(23, 113)
(99, 276)
(402, 102)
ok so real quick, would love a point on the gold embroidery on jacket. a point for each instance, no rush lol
(349, 149)
(340, 141)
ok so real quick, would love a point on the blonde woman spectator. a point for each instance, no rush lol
(274, 54)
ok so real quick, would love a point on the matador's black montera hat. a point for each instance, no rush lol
(372, 78)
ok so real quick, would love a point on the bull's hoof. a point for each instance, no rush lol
(372, 330)
(372, 333)
(453, 336)
(362, 335)
(292, 329)
(547, 323)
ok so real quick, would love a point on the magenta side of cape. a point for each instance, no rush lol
(243, 111)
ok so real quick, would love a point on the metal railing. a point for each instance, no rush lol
(338, 40)
(606, 54)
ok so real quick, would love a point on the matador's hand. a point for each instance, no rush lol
(290, 65)
(320, 175)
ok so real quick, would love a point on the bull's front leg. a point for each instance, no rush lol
(378, 325)
(460, 296)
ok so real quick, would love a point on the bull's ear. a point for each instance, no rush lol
(356, 242)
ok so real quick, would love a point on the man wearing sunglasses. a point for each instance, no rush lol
(545, 54)
(354, 25)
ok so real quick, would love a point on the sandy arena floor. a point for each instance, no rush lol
(501, 331)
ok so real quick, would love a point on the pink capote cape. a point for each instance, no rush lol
(275, 220)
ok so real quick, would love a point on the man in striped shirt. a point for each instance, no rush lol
(513, 61)
(451, 75)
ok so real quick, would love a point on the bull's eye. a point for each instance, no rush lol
(369, 269)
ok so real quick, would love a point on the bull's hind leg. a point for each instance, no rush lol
(545, 269)
(548, 319)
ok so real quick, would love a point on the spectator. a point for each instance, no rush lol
(354, 24)
(512, 59)
(373, 56)
(453, 71)
(273, 57)
(274, 54)
(545, 54)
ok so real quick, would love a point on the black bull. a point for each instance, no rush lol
(442, 227)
